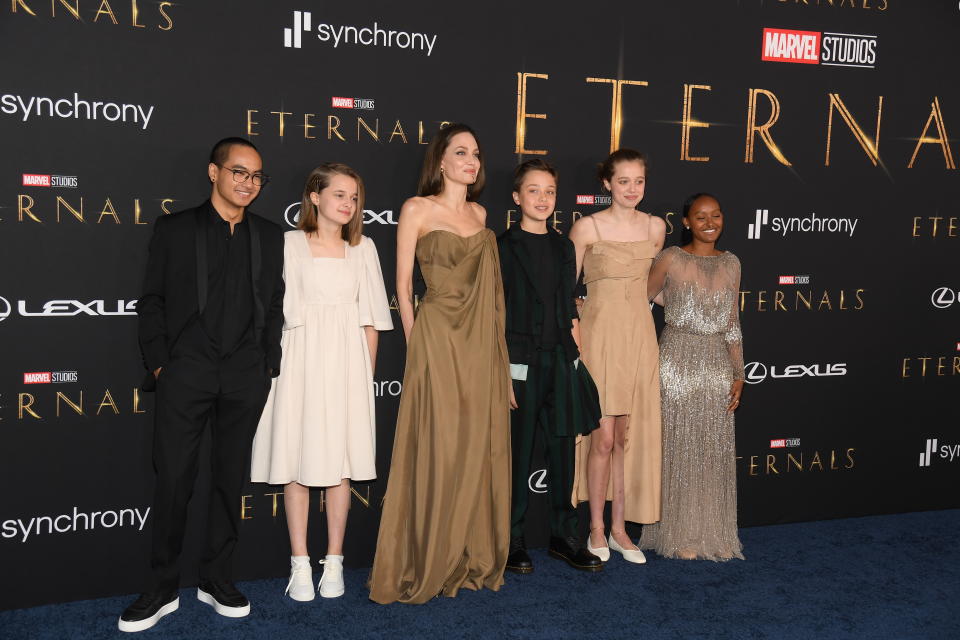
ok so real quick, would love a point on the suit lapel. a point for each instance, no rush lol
(523, 256)
(255, 259)
(564, 297)
(201, 246)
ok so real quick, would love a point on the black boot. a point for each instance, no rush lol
(574, 554)
(519, 561)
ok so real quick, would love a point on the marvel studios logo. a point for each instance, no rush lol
(794, 280)
(48, 180)
(351, 103)
(815, 47)
(594, 199)
(49, 377)
(781, 443)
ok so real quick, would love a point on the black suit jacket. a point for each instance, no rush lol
(524, 305)
(175, 284)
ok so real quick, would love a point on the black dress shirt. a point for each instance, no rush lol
(220, 345)
(545, 281)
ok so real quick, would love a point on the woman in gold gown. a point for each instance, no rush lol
(446, 514)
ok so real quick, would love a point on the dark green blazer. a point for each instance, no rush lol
(523, 304)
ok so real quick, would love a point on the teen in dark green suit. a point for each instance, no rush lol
(552, 391)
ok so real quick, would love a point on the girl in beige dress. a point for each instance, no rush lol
(620, 461)
(318, 427)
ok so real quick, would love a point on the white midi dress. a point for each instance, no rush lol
(318, 426)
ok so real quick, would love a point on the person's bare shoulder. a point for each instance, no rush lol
(583, 231)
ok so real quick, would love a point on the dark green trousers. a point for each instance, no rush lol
(543, 406)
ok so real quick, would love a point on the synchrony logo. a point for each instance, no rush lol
(21, 529)
(948, 452)
(815, 47)
(292, 216)
(757, 372)
(367, 36)
(30, 106)
(944, 297)
(807, 224)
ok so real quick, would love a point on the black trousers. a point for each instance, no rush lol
(182, 413)
(537, 410)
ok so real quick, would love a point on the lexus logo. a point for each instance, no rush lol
(4, 309)
(538, 481)
(292, 213)
(757, 372)
(943, 297)
(292, 216)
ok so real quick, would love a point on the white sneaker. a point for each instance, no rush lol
(331, 582)
(300, 587)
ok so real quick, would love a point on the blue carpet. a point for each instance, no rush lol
(877, 577)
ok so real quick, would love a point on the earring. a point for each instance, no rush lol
(441, 169)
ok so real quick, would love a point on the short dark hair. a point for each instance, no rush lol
(686, 236)
(606, 168)
(688, 203)
(431, 178)
(533, 164)
(220, 151)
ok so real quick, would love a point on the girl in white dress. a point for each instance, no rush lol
(318, 427)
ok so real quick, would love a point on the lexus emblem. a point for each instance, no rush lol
(755, 372)
(538, 481)
(4, 309)
(943, 297)
(292, 214)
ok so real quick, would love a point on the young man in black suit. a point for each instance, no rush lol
(210, 321)
(552, 391)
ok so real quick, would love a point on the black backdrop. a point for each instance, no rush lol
(854, 364)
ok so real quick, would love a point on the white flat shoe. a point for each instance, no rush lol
(300, 587)
(601, 552)
(630, 555)
(331, 582)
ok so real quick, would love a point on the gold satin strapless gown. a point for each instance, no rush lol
(446, 514)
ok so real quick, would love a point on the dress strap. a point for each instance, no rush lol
(596, 227)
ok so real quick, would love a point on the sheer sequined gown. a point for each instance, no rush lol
(446, 514)
(700, 356)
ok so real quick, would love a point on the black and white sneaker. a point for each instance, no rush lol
(224, 598)
(148, 609)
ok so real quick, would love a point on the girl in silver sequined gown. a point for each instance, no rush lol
(701, 375)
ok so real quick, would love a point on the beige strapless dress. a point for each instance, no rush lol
(619, 347)
(446, 514)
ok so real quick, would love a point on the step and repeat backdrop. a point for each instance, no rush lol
(824, 126)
